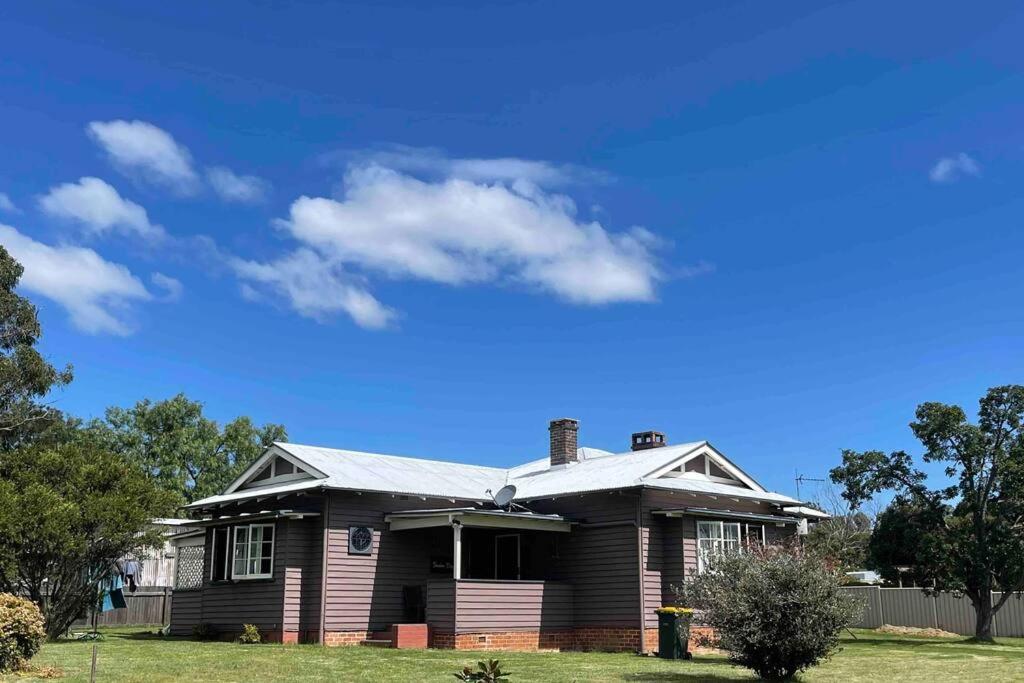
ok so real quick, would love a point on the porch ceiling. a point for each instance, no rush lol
(472, 517)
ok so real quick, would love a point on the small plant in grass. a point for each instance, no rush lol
(250, 635)
(487, 672)
(204, 631)
(774, 610)
(21, 632)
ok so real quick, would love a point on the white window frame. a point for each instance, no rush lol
(519, 556)
(246, 576)
(227, 555)
(716, 542)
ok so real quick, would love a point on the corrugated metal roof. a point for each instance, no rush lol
(599, 473)
(596, 470)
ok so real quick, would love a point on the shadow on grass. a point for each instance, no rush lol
(116, 636)
(675, 677)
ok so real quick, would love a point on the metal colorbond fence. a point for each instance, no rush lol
(913, 607)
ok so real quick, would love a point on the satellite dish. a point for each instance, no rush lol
(504, 495)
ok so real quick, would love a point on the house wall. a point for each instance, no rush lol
(364, 592)
(284, 607)
(670, 543)
(599, 557)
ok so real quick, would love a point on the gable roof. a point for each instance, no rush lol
(596, 470)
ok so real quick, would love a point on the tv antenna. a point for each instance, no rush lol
(801, 479)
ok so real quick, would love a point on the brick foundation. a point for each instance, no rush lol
(336, 638)
(600, 639)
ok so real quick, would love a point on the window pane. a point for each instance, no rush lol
(706, 529)
(254, 566)
(256, 534)
(239, 569)
(265, 565)
(732, 531)
(268, 533)
(283, 467)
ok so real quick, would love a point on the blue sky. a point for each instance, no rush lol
(429, 230)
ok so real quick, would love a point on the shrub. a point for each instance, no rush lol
(774, 610)
(250, 635)
(21, 631)
(488, 672)
(204, 631)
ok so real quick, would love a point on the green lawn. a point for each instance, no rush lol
(133, 656)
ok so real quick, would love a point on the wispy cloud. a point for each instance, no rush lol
(7, 205)
(433, 163)
(144, 151)
(172, 287)
(98, 207)
(140, 149)
(313, 287)
(492, 223)
(231, 187)
(951, 169)
(97, 294)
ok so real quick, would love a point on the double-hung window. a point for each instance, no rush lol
(715, 537)
(254, 552)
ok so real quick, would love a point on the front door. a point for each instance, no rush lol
(506, 557)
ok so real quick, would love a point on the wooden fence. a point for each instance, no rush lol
(914, 607)
(149, 605)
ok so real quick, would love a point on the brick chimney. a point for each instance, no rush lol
(563, 440)
(642, 441)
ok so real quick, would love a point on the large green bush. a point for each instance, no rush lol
(774, 610)
(21, 632)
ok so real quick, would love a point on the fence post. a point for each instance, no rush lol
(881, 613)
(163, 607)
(935, 610)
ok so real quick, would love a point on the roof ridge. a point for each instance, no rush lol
(285, 444)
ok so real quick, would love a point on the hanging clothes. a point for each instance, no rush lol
(132, 573)
(112, 594)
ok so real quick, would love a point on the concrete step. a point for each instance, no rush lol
(376, 642)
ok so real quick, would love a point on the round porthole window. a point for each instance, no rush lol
(360, 540)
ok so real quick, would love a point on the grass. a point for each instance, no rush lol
(131, 655)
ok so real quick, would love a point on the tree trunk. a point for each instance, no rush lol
(983, 610)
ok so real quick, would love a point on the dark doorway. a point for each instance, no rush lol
(506, 557)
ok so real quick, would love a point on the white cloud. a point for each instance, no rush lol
(245, 189)
(432, 161)
(172, 287)
(951, 169)
(96, 293)
(454, 231)
(313, 287)
(100, 208)
(7, 205)
(140, 148)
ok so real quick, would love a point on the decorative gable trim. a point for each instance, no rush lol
(303, 470)
(712, 455)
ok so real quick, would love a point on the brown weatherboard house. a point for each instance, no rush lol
(573, 551)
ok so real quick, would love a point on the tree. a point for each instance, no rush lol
(842, 539)
(67, 512)
(902, 536)
(775, 610)
(971, 532)
(184, 451)
(25, 376)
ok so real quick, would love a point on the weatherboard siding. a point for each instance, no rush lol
(186, 611)
(599, 557)
(364, 592)
(670, 543)
(493, 606)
